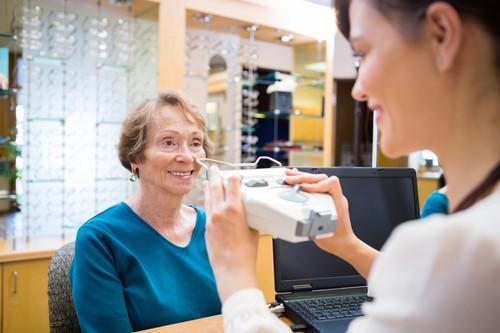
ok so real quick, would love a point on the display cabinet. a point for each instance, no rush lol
(78, 67)
(24, 296)
(308, 23)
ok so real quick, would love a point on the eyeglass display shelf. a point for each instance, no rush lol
(285, 115)
(7, 39)
(108, 122)
(270, 147)
(59, 59)
(7, 36)
(248, 129)
(52, 180)
(4, 93)
(8, 144)
(302, 80)
(8, 197)
(59, 119)
(104, 179)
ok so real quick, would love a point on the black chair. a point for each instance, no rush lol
(62, 315)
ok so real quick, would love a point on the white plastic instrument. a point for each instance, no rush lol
(281, 210)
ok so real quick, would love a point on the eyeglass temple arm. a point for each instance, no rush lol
(253, 164)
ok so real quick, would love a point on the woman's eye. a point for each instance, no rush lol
(358, 58)
(197, 143)
(169, 143)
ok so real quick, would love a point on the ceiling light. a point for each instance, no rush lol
(287, 38)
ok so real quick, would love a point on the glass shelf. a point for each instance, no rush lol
(47, 58)
(7, 39)
(7, 143)
(103, 179)
(46, 119)
(6, 196)
(272, 115)
(287, 150)
(285, 115)
(108, 122)
(4, 93)
(291, 146)
(247, 129)
(7, 36)
(300, 79)
(116, 67)
(53, 180)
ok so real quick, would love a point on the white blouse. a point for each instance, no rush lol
(441, 275)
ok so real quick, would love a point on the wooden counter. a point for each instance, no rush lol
(18, 249)
(212, 324)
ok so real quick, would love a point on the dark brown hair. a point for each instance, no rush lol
(408, 14)
(480, 191)
(133, 136)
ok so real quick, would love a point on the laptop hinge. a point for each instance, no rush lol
(302, 287)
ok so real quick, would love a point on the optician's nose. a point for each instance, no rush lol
(358, 92)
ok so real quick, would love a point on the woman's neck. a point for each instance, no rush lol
(158, 208)
(470, 149)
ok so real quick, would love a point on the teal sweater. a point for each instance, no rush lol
(126, 277)
(436, 203)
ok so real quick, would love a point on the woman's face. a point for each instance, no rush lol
(173, 144)
(397, 78)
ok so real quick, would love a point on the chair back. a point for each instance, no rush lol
(62, 315)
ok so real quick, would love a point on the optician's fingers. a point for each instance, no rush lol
(233, 193)
(332, 186)
(304, 177)
(207, 202)
(329, 184)
(215, 188)
(292, 172)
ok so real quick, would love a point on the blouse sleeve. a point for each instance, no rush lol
(246, 312)
(96, 288)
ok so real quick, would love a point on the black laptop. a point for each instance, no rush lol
(322, 291)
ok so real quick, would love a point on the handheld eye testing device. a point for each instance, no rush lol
(277, 208)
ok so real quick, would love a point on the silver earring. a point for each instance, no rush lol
(439, 60)
(133, 177)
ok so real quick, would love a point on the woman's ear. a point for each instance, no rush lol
(445, 27)
(134, 167)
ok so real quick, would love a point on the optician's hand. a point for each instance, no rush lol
(344, 242)
(231, 244)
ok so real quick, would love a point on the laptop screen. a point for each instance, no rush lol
(379, 200)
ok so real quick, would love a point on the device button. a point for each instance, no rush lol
(256, 183)
(281, 181)
(293, 196)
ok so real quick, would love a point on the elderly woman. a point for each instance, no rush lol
(143, 263)
(430, 72)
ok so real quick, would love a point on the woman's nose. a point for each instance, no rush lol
(358, 92)
(184, 153)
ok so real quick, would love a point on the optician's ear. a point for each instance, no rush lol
(445, 27)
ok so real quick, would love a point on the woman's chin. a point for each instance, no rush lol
(390, 149)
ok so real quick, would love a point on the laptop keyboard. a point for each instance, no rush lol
(331, 307)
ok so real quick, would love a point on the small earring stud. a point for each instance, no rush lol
(133, 177)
